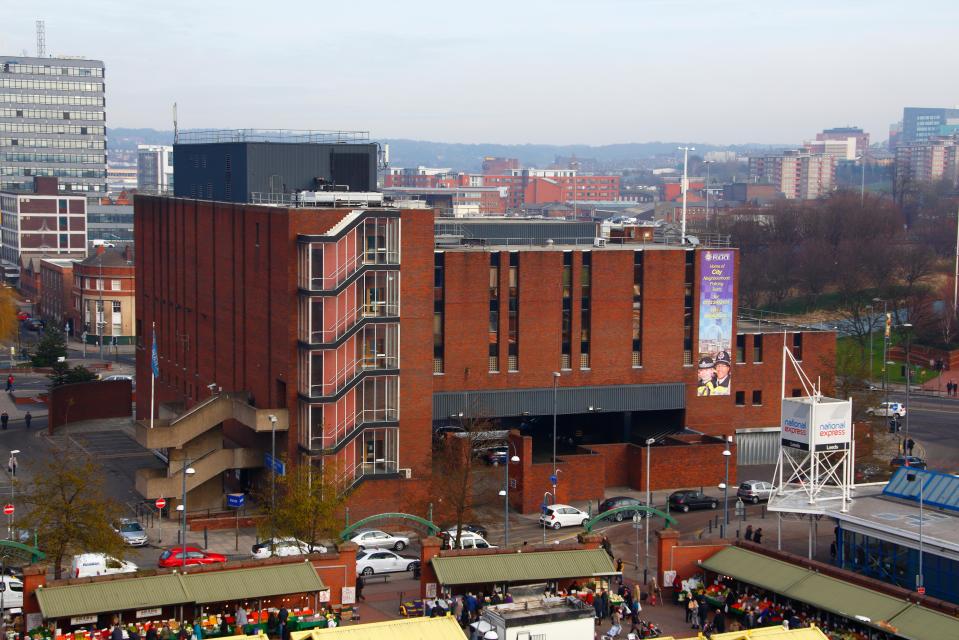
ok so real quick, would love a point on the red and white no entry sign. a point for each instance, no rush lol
(160, 503)
(8, 509)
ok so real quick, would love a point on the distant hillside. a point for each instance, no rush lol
(469, 157)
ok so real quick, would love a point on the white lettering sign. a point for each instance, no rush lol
(149, 613)
(78, 620)
(348, 595)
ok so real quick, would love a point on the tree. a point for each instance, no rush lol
(308, 504)
(8, 315)
(50, 349)
(63, 374)
(66, 505)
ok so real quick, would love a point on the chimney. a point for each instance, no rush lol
(101, 249)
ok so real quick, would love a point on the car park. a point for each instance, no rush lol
(755, 490)
(691, 499)
(375, 539)
(131, 531)
(374, 561)
(87, 565)
(562, 515)
(174, 557)
(888, 410)
(908, 461)
(283, 547)
(617, 502)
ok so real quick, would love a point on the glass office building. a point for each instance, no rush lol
(53, 123)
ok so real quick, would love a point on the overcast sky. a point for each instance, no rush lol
(540, 71)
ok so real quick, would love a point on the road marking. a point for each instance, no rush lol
(921, 410)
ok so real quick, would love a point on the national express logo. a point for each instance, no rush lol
(832, 429)
(794, 426)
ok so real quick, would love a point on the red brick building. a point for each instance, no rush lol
(56, 292)
(358, 336)
(104, 297)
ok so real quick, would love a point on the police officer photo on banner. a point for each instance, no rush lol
(715, 322)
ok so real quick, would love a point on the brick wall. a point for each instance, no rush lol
(89, 401)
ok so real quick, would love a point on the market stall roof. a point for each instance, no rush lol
(444, 628)
(870, 607)
(111, 595)
(767, 633)
(522, 567)
(257, 582)
(104, 596)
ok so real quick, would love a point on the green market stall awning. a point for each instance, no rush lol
(522, 567)
(877, 609)
(107, 596)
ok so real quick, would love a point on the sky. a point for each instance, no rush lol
(526, 71)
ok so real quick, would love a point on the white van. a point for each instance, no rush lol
(468, 540)
(12, 594)
(87, 565)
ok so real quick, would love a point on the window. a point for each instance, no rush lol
(512, 363)
(740, 398)
(585, 316)
(797, 393)
(797, 346)
(637, 359)
(493, 337)
(758, 348)
(757, 397)
(100, 286)
(115, 285)
(567, 311)
(439, 261)
(740, 348)
(690, 274)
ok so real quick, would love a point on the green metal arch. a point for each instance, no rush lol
(592, 522)
(13, 550)
(347, 533)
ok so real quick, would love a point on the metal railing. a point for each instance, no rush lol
(775, 320)
(206, 136)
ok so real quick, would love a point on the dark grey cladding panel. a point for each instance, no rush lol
(569, 400)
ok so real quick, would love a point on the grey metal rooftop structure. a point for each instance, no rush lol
(209, 136)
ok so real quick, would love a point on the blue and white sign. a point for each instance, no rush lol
(277, 465)
(235, 500)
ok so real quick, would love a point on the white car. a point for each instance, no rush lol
(282, 547)
(562, 515)
(888, 409)
(86, 565)
(468, 540)
(375, 539)
(380, 561)
(13, 594)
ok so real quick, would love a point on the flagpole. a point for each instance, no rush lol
(153, 378)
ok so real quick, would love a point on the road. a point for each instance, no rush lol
(933, 425)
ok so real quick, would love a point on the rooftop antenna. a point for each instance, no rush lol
(176, 131)
(41, 39)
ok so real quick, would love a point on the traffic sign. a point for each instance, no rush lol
(921, 591)
(235, 500)
(277, 465)
(553, 479)
(8, 509)
(160, 503)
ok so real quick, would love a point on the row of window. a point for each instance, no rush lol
(52, 114)
(97, 284)
(69, 129)
(50, 85)
(51, 70)
(9, 185)
(37, 98)
(60, 173)
(53, 143)
(85, 158)
(757, 398)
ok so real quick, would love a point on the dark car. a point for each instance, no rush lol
(478, 529)
(620, 501)
(691, 499)
(496, 455)
(908, 461)
(439, 433)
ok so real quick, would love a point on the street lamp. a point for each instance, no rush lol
(637, 525)
(554, 477)
(869, 308)
(707, 163)
(885, 340)
(912, 477)
(685, 186)
(553, 496)
(649, 497)
(187, 471)
(862, 186)
(908, 327)
(505, 494)
(272, 419)
(725, 485)
(741, 514)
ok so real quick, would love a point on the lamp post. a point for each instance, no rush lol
(649, 497)
(862, 184)
(741, 514)
(553, 496)
(637, 525)
(707, 163)
(908, 327)
(725, 485)
(554, 477)
(272, 475)
(505, 493)
(913, 477)
(871, 317)
(685, 185)
(885, 339)
(13, 494)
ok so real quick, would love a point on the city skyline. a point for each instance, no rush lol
(557, 73)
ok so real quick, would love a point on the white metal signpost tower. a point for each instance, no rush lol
(816, 455)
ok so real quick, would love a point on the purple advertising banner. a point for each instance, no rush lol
(716, 280)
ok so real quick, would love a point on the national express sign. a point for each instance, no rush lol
(823, 425)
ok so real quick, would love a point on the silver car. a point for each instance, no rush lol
(131, 532)
(755, 490)
(375, 539)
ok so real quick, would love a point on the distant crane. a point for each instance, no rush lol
(41, 39)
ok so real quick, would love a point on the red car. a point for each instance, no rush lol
(174, 557)
(23, 315)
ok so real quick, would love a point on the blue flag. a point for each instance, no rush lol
(155, 360)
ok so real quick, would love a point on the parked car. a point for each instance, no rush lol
(379, 561)
(755, 490)
(131, 531)
(691, 499)
(375, 539)
(439, 433)
(468, 540)
(33, 324)
(117, 376)
(496, 455)
(282, 547)
(468, 526)
(87, 565)
(174, 557)
(908, 461)
(888, 409)
(621, 501)
(562, 515)
(23, 315)
(13, 594)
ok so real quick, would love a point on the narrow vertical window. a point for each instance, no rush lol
(690, 274)
(637, 358)
(567, 310)
(740, 348)
(758, 347)
(585, 287)
(513, 311)
(494, 312)
(439, 261)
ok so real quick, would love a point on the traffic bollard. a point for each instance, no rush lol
(710, 526)
(205, 541)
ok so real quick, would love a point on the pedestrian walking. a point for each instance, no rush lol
(10, 383)
(719, 621)
(359, 588)
(691, 608)
(4, 419)
(749, 532)
(832, 550)
(910, 444)
(27, 419)
(12, 465)
(758, 536)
